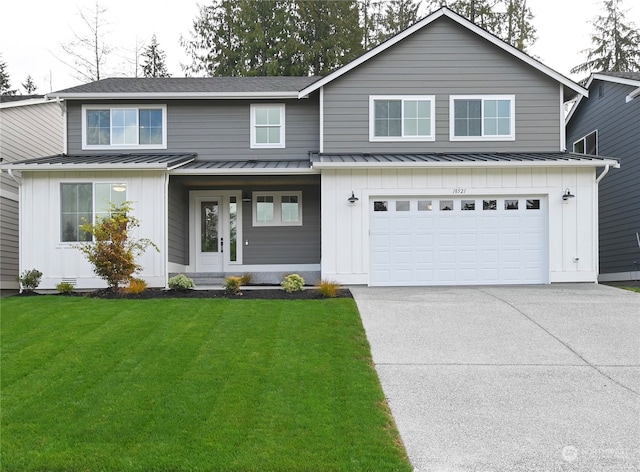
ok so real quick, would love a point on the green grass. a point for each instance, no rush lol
(633, 289)
(202, 385)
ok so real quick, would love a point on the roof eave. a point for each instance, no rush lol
(82, 167)
(483, 164)
(463, 22)
(177, 95)
(249, 171)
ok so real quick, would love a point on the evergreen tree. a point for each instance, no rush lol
(616, 42)
(29, 86)
(370, 20)
(398, 15)
(154, 60)
(5, 81)
(518, 29)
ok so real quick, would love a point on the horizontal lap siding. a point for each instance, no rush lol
(443, 59)
(9, 240)
(617, 123)
(219, 129)
(178, 231)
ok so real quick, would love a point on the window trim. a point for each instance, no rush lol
(390, 139)
(277, 211)
(254, 143)
(112, 107)
(510, 137)
(94, 210)
(584, 141)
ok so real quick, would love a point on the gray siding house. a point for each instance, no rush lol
(607, 122)
(436, 158)
(29, 126)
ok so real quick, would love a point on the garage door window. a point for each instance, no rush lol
(402, 205)
(490, 204)
(468, 205)
(533, 204)
(446, 205)
(424, 205)
(381, 206)
(511, 204)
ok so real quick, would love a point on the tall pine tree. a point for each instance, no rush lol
(29, 86)
(154, 60)
(5, 80)
(616, 42)
(398, 15)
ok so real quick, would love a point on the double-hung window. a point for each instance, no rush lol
(401, 118)
(587, 144)
(277, 209)
(86, 202)
(139, 127)
(482, 118)
(267, 126)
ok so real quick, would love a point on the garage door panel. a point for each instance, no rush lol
(475, 246)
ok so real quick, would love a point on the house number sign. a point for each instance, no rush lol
(459, 190)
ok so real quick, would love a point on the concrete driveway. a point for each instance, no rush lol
(510, 378)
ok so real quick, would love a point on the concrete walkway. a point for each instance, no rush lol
(518, 378)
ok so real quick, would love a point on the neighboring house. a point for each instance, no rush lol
(29, 126)
(436, 158)
(608, 123)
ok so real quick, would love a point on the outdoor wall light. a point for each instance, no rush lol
(567, 195)
(352, 199)
(119, 187)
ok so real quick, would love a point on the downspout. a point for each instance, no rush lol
(596, 231)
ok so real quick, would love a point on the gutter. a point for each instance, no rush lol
(606, 171)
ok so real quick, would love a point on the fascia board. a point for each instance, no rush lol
(24, 103)
(409, 165)
(617, 80)
(177, 95)
(274, 171)
(461, 21)
(83, 167)
(632, 95)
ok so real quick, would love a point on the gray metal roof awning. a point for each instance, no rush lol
(127, 161)
(249, 166)
(493, 159)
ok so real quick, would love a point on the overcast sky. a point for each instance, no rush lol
(30, 38)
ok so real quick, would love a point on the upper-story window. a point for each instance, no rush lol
(267, 126)
(142, 127)
(401, 118)
(587, 144)
(482, 118)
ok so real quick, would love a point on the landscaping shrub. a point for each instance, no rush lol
(30, 279)
(181, 282)
(64, 287)
(246, 278)
(136, 286)
(328, 288)
(112, 251)
(292, 283)
(232, 284)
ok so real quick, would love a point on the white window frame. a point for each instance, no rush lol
(87, 146)
(510, 137)
(277, 210)
(584, 142)
(372, 118)
(96, 207)
(254, 143)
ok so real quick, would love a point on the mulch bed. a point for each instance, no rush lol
(251, 294)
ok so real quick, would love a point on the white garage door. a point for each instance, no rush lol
(458, 241)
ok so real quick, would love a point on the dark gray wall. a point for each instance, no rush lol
(618, 125)
(267, 245)
(443, 59)
(219, 129)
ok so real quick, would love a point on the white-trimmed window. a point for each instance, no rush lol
(267, 126)
(277, 208)
(140, 127)
(482, 118)
(401, 118)
(85, 202)
(587, 144)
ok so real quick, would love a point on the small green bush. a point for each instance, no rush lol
(292, 283)
(30, 279)
(64, 287)
(136, 286)
(232, 284)
(328, 288)
(181, 282)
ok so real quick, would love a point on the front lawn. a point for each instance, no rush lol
(207, 385)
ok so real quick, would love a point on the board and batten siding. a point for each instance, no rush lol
(618, 125)
(26, 131)
(571, 225)
(41, 247)
(220, 129)
(442, 59)
(261, 245)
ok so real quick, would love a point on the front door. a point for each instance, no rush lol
(209, 237)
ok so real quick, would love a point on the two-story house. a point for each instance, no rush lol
(30, 126)
(607, 122)
(436, 158)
